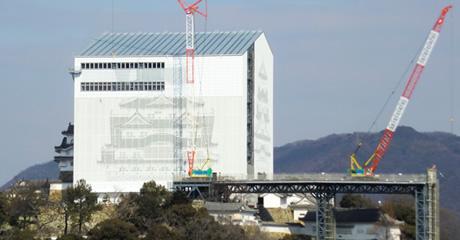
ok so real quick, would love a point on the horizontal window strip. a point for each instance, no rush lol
(123, 65)
(121, 86)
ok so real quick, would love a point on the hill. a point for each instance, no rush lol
(410, 152)
(48, 170)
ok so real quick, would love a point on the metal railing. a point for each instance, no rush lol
(316, 177)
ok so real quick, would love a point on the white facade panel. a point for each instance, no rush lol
(263, 98)
(125, 138)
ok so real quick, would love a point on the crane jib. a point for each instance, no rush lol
(387, 137)
(428, 48)
(397, 114)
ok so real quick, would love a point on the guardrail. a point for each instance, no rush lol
(317, 177)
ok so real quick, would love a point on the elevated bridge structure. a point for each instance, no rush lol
(324, 187)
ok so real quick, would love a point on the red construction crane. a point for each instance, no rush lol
(372, 163)
(190, 10)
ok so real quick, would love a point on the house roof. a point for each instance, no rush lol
(64, 145)
(170, 44)
(349, 216)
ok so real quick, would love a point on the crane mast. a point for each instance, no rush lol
(372, 163)
(190, 11)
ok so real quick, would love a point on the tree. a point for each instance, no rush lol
(160, 232)
(295, 237)
(18, 234)
(402, 208)
(179, 197)
(113, 229)
(356, 201)
(207, 228)
(3, 209)
(180, 215)
(70, 237)
(449, 224)
(24, 202)
(152, 200)
(79, 203)
(127, 209)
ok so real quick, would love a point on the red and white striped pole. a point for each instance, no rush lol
(422, 60)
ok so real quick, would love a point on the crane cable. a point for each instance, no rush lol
(396, 87)
(452, 72)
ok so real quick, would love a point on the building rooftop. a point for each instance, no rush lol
(170, 44)
(64, 145)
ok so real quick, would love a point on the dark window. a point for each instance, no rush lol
(122, 86)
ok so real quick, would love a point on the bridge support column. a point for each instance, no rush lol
(420, 214)
(325, 223)
(427, 208)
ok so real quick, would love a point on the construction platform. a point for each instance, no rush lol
(324, 187)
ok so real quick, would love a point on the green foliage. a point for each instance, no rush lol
(113, 229)
(295, 237)
(402, 208)
(450, 225)
(70, 237)
(180, 215)
(127, 209)
(152, 199)
(3, 209)
(179, 198)
(163, 215)
(160, 232)
(207, 228)
(24, 202)
(79, 203)
(18, 234)
(151, 202)
(356, 201)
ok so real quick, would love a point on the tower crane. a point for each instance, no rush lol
(190, 11)
(369, 167)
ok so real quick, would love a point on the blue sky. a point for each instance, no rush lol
(335, 62)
